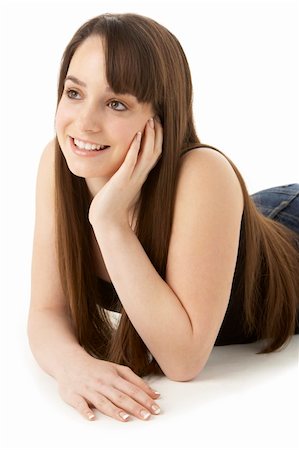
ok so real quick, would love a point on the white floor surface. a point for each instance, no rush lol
(240, 400)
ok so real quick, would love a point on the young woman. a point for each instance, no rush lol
(134, 214)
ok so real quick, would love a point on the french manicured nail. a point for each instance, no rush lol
(90, 416)
(138, 137)
(156, 409)
(124, 415)
(145, 414)
(151, 122)
(156, 393)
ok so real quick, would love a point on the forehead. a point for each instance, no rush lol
(89, 57)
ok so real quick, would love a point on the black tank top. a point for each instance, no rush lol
(232, 330)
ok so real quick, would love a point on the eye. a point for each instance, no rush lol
(113, 102)
(68, 93)
(72, 93)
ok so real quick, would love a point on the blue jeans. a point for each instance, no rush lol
(281, 204)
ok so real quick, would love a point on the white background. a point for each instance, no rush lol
(244, 61)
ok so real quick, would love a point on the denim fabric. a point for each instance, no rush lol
(280, 203)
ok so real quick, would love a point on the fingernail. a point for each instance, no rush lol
(90, 416)
(151, 122)
(156, 409)
(138, 137)
(156, 393)
(157, 118)
(145, 414)
(124, 415)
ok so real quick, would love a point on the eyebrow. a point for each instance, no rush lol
(81, 83)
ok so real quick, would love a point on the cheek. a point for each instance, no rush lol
(126, 134)
(61, 119)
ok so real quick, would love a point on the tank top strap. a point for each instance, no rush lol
(193, 146)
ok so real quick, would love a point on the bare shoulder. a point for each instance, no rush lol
(45, 182)
(46, 289)
(202, 152)
(46, 164)
(208, 159)
(207, 173)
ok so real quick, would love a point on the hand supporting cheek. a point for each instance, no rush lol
(114, 201)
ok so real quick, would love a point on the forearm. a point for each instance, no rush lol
(52, 340)
(153, 308)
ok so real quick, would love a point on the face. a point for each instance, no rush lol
(90, 113)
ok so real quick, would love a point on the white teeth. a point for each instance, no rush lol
(86, 146)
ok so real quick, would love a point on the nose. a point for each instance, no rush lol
(89, 120)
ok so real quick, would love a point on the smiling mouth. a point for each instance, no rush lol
(88, 146)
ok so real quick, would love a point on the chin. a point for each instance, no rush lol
(87, 172)
(85, 169)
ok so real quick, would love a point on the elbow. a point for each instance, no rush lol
(183, 372)
(182, 375)
(184, 365)
(186, 369)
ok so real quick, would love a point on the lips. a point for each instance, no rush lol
(86, 142)
(88, 145)
(87, 152)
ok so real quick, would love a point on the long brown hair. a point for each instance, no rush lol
(146, 60)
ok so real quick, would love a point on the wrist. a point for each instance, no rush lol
(108, 226)
(70, 359)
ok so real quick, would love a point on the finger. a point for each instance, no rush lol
(137, 394)
(132, 155)
(125, 402)
(130, 376)
(159, 135)
(103, 404)
(81, 405)
(146, 157)
(152, 147)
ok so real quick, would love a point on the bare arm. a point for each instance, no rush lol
(153, 308)
(83, 380)
(50, 334)
(52, 341)
(179, 318)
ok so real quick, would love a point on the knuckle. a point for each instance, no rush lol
(120, 397)
(106, 407)
(133, 391)
(127, 370)
(99, 383)
(145, 386)
(100, 402)
(79, 404)
(113, 378)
